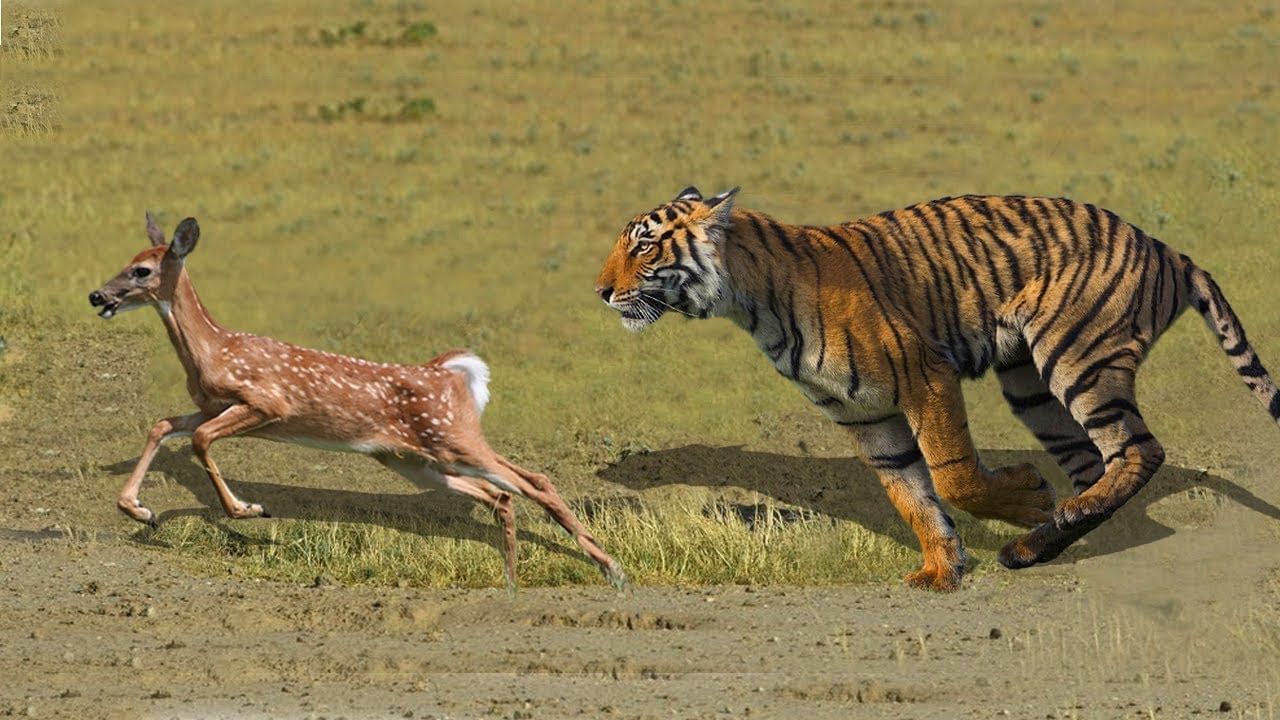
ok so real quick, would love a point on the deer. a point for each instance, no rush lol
(422, 421)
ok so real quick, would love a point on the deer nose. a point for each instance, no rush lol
(605, 292)
(96, 298)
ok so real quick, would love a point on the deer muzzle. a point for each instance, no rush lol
(98, 299)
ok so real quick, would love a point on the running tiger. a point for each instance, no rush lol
(877, 320)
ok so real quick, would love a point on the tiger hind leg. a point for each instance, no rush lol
(1101, 398)
(1044, 415)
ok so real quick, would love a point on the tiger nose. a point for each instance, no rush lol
(605, 292)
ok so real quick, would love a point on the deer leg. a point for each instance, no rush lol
(128, 502)
(422, 473)
(538, 488)
(233, 421)
(506, 512)
(500, 502)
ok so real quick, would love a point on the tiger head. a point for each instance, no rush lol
(669, 259)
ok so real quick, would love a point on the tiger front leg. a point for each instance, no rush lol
(888, 446)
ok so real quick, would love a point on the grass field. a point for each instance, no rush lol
(395, 179)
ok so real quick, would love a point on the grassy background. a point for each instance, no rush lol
(393, 179)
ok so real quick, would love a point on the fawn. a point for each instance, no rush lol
(423, 421)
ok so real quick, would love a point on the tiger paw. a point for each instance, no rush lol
(1019, 495)
(944, 564)
(1081, 511)
(936, 578)
(1040, 545)
(1019, 553)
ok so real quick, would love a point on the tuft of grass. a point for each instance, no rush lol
(415, 109)
(27, 111)
(339, 35)
(331, 112)
(397, 110)
(33, 33)
(417, 33)
(364, 33)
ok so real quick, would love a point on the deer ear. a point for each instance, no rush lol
(690, 193)
(184, 238)
(154, 233)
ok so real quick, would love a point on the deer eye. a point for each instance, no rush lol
(141, 272)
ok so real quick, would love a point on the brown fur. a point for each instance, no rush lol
(423, 421)
(877, 320)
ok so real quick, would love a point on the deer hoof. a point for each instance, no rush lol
(137, 511)
(251, 510)
(616, 576)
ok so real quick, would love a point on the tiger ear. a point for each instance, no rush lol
(720, 199)
(690, 193)
(719, 206)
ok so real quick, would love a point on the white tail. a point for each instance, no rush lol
(423, 421)
(477, 373)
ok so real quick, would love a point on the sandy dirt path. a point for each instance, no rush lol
(1177, 628)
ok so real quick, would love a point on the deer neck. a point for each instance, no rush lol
(193, 332)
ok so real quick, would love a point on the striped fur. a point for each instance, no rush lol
(878, 319)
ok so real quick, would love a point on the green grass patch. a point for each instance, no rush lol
(387, 110)
(403, 33)
(687, 539)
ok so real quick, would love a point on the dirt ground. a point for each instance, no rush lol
(102, 625)
(105, 630)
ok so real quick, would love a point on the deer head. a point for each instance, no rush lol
(151, 276)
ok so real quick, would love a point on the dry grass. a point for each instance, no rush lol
(684, 540)
(31, 32)
(393, 192)
(30, 38)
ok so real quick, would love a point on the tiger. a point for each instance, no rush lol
(877, 320)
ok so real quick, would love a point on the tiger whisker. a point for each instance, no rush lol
(649, 311)
(652, 298)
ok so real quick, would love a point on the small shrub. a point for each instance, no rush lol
(338, 36)
(413, 34)
(926, 18)
(331, 112)
(416, 109)
(418, 33)
(391, 111)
